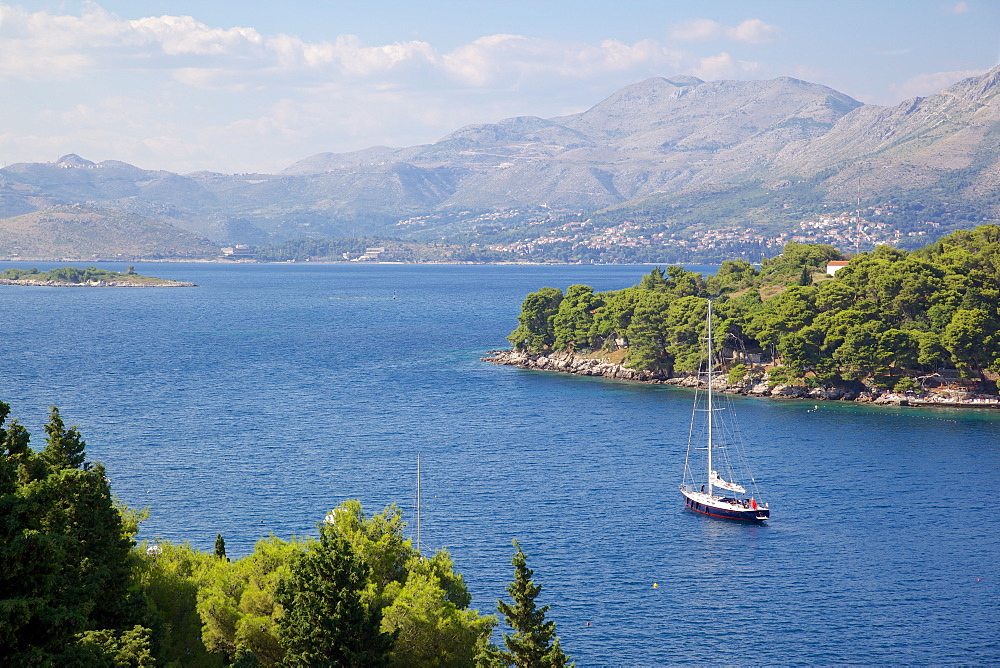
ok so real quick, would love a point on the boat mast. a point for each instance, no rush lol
(418, 502)
(711, 364)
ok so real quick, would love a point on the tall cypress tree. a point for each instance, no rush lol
(220, 547)
(534, 642)
(805, 278)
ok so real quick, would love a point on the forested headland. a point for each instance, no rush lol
(888, 321)
(77, 590)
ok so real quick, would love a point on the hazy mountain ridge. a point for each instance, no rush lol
(81, 232)
(656, 146)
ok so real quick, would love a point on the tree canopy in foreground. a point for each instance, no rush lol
(76, 589)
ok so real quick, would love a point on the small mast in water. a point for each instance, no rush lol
(418, 502)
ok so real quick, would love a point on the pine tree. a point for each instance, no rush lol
(534, 642)
(65, 447)
(65, 564)
(325, 622)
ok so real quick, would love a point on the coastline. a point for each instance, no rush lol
(158, 283)
(583, 365)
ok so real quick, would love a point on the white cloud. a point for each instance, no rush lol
(750, 31)
(723, 66)
(931, 82)
(172, 92)
(754, 31)
(961, 7)
(46, 46)
(696, 30)
(514, 60)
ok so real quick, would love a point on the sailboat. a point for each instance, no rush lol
(709, 492)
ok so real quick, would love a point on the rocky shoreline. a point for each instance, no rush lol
(159, 283)
(585, 365)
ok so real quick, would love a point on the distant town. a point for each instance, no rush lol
(521, 236)
(849, 231)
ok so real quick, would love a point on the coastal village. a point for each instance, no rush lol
(843, 229)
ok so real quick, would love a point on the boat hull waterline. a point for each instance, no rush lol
(730, 509)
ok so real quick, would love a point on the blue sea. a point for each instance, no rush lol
(261, 399)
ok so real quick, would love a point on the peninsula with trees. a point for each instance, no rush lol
(889, 326)
(91, 277)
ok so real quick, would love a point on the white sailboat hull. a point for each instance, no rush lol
(747, 510)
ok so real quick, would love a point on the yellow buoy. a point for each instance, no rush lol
(655, 585)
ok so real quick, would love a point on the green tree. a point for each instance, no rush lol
(378, 542)
(731, 276)
(238, 604)
(790, 311)
(534, 642)
(780, 375)
(738, 374)
(65, 560)
(970, 338)
(64, 447)
(573, 323)
(220, 547)
(655, 281)
(859, 354)
(430, 629)
(423, 602)
(805, 277)
(132, 647)
(169, 577)
(801, 351)
(685, 333)
(930, 352)
(834, 295)
(898, 349)
(612, 320)
(535, 330)
(684, 283)
(325, 622)
(646, 331)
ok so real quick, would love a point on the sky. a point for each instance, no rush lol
(253, 86)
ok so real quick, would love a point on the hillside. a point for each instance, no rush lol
(667, 169)
(79, 232)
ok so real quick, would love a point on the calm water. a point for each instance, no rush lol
(265, 397)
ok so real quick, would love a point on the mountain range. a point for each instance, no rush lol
(677, 154)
